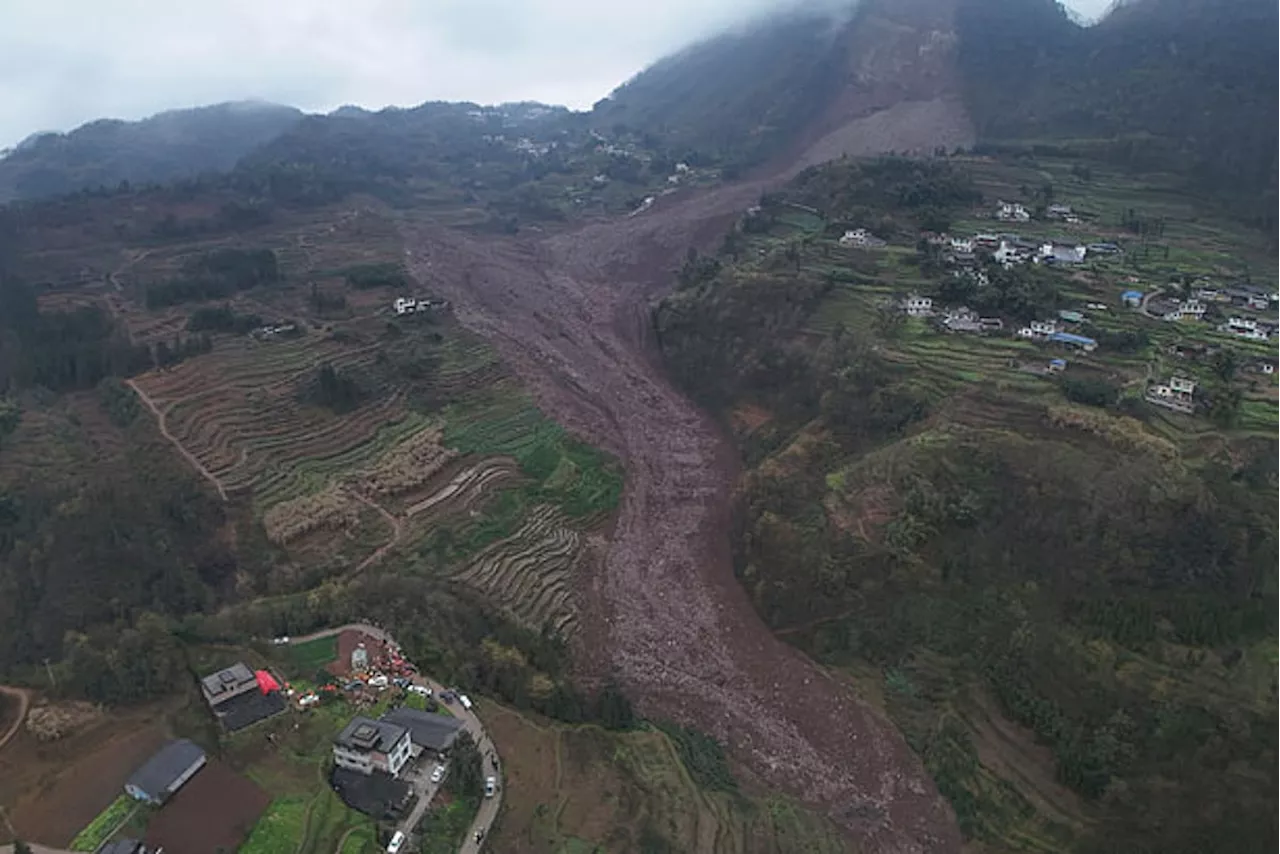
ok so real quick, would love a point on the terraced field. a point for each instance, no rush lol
(530, 574)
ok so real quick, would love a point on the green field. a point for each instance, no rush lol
(98, 830)
(306, 658)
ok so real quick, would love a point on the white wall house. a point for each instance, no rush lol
(405, 305)
(366, 746)
(917, 306)
(1044, 327)
(1012, 212)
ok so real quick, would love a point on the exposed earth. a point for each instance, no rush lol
(664, 614)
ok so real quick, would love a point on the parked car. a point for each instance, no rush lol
(420, 690)
(490, 786)
(396, 841)
(437, 774)
(465, 701)
(379, 681)
(280, 641)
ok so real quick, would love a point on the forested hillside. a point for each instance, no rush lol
(165, 147)
(736, 98)
(1069, 609)
(1185, 86)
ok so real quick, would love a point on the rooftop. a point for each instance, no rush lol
(166, 767)
(434, 732)
(227, 682)
(366, 734)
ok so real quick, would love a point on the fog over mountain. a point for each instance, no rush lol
(67, 62)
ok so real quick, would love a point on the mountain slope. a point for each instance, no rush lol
(1184, 86)
(167, 146)
(809, 82)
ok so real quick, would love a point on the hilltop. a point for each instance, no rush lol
(165, 147)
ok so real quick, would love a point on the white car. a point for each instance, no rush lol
(490, 786)
(421, 690)
(437, 774)
(396, 841)
(280, 641)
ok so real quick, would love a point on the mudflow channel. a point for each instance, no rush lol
(664, 614)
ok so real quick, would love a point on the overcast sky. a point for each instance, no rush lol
(65, 62)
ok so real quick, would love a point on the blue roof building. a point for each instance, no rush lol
(1080, 341)
(1132, 298)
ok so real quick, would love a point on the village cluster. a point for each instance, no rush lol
(1235, 309)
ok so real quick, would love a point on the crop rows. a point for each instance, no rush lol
(465, 488)
(407, 466)
(329, 509)
(310, 474)
(530, 574)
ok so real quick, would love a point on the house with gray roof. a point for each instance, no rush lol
(366, 746)
(427, 731)
(166, 772)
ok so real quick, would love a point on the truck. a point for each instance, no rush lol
(465, 701)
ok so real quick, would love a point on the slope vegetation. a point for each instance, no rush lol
(1063, 595)
(168, 146)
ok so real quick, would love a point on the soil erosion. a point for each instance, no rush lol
(664, 614)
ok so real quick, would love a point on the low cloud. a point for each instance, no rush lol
(65, 62)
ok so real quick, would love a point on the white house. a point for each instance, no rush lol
(962, 244)
(1025, 332)
(860, 237)
(1257, 302)
(1061, 253)
(1012, 212)
(1044, 327)
(1178, 394)
(1192, 308)
(1245, 327)
(917, 306)
(366, 746)
(405, 305)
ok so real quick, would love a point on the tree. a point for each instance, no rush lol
(20, 847)
(465, 767)
(614, 709)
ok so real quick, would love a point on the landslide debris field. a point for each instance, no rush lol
(665, 615)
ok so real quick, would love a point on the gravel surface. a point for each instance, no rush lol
(664, 614)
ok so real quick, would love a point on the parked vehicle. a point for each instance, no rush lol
(280, 641)
(490, 786)
(396, 841)
(465, 701)
(420, 690)
(437, 774)
(379, 681)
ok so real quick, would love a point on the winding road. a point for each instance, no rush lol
(489, 807)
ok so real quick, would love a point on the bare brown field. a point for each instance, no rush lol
(53, 789)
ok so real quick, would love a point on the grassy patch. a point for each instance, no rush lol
(97, 831)
(702, 756)
(279, 829)
(306, 658)
(443, 828)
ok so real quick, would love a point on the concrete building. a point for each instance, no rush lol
(366, 745)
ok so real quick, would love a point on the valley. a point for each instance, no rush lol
(850, 435)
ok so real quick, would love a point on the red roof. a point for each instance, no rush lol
(266, 682)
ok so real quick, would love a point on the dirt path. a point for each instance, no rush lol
(665, 615)
(164, 431)
(342, 840)
(24, 701)
(397, 531)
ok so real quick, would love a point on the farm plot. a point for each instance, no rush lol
(530, 574)
(238, 412)
(210, 814)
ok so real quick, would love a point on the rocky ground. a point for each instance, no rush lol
(664, 614)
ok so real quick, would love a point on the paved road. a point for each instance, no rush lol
(489, 807)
